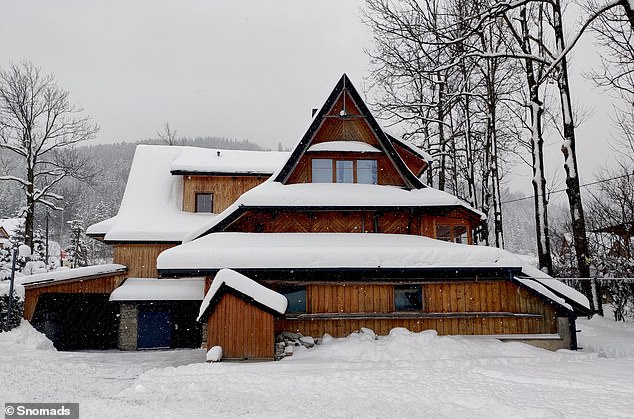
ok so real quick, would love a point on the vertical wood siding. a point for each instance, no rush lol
(139, 258)
(226, 189)
(92, 285)
(243, 330)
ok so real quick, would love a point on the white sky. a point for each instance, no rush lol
(240, 69)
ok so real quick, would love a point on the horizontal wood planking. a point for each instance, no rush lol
(518, 311)
(226, 189)
(139, 258)
(91, 285)
(241, 329)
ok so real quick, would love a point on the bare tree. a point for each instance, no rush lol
(40, 126)
(168, 136)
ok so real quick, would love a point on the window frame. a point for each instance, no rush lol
(289, 289)
(354, 160)
(452, 234)
(196, 195)
(408, 286)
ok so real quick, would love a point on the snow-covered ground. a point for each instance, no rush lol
(401, 375)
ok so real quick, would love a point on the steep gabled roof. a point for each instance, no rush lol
(345, 87)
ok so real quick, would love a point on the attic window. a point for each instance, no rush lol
(204, 202)
(322, 170)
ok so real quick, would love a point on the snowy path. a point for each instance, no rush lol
(403, 375)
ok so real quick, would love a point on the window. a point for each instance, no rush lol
(345, 171)
(367, 172)
(296, 297)
(408, 298)
(204, 202)
(460, 234)
(322, 170)
(452, 233)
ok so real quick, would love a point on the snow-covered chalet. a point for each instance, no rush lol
(233, 248)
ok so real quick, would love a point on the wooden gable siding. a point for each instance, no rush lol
(389, 222)
(460, 308)
(352, 128)
(139, 258)
(226, 189)
(241, 329)
(414, 163)
(103, 284)
(387, 173)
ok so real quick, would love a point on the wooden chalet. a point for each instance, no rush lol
(170, 191)
(352, 237)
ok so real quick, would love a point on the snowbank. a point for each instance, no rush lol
(426, 348)
(606, 337)
(24, 337)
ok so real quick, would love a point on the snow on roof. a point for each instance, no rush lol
(101, 228)
(10, 225)
(152, 289)
(65, 274)
(244, 285)
(354, 195)
(151, 208)
(539, 288)
(347, 250)
(329, 250)
(203, 160)
(352, 146)
(555, 285)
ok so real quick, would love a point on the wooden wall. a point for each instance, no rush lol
(103, 284)
(226, 189)
(139, 258)
(456, 308)
(394, 222)
(243, 330)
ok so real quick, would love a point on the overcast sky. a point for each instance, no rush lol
(240, 69)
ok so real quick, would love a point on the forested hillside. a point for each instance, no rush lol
(97, 199)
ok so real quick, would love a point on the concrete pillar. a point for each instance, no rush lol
(128, 326)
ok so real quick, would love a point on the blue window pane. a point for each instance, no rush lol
(296, 299)
(344, 171)
(408, 298)
(322, 170)
(367, 172)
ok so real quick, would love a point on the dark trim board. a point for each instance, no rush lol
(224, 174)
(356, 274)
(407, 315)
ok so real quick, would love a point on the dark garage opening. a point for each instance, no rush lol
(77, 321)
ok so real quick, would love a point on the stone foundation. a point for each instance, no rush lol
(128, 326)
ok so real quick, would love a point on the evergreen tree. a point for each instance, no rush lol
(77, 250)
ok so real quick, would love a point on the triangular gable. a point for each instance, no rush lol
(345, 91)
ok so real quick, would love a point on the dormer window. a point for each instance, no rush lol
(345, 171)
(205, 202)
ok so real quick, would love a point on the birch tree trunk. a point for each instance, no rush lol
(572, 170)
(537, 153)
